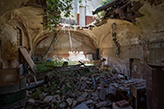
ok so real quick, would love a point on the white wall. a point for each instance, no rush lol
(90, 5)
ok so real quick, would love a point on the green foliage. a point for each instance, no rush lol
(52, 15)
(38, 91)
(114, 39)
(53, 12)
(41, 67)
(105, 1)
(114, 34)
(72, 63)
(66, 89)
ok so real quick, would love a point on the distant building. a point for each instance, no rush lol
(82, 12)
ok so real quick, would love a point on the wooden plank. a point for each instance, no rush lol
(133, 91)
(151, 89)
(27, 58)
(124, 6)
(116, 107)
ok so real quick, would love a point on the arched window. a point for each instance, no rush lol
(19, 36)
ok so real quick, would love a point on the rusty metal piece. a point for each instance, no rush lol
(13, 94)
(9, 76)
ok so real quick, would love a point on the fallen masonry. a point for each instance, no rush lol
(76, 87)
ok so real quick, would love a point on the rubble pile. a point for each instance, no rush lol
(79, 88)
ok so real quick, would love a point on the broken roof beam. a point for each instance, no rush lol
(138, 14)
(104, 7)
(155, 2)
(124, 6)
(136, 6)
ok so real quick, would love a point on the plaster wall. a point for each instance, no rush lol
(23, 22)
(152, 23)
(64, 43)
(131, 40)
(142, 41)
(9, 5)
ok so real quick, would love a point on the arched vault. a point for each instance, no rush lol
(45, 34)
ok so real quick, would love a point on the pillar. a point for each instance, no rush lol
(82, 12)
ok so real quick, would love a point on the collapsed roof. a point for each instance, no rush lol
(121, 9)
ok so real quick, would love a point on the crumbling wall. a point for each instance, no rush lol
(152, 22)
(152, 25)
(9, 47)
(9, 5)
(18, 28)
(10, 42)
(143, 41)
(131, 40)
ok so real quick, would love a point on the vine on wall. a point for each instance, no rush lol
(114, 35)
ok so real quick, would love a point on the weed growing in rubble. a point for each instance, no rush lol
(45, 65)
(37, 92)
(41, 68)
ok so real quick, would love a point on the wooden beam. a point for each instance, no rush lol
(136, 6)
(104, 7)
(124, 6)
(27, 58)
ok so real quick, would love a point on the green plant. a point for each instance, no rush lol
(72, 63)
(53, 12)
(105, 1)
(114, 34)
(40, 68)
(43, 66)
(38, 91)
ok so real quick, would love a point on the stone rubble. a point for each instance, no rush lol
(81, 90)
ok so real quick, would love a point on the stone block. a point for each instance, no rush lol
(102, 94)
(101, 104)
(48, 99)
(81, 106)
(122, 103)
(69, 101)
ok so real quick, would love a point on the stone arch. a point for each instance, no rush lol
(16, 21)
(39, 38)
(9, 34)
(21, 23)
(45, 34)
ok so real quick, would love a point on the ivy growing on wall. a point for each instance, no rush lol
(114, 35)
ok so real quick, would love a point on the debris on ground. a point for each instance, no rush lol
(81, 87)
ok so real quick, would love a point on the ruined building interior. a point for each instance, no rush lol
(114, 61)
